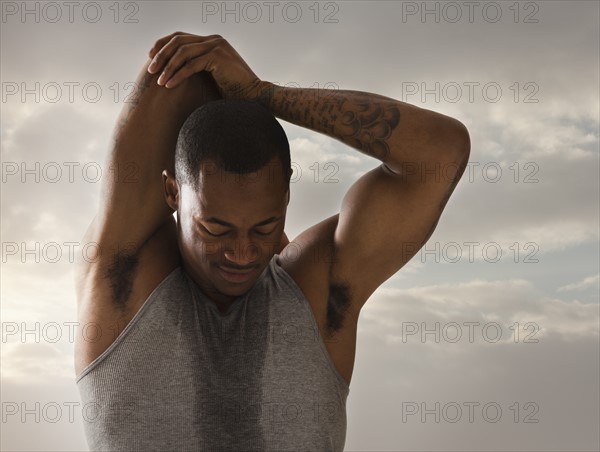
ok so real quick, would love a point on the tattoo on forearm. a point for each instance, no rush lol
(369, 125)
(361, 120)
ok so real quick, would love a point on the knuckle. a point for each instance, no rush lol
(220, 41)
(168, 67)
(189, 63)
(178, 38)
(179, 53)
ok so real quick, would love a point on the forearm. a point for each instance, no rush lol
(394, 132)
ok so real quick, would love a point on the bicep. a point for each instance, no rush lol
(384, 220)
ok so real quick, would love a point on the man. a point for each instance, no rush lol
(214, 332)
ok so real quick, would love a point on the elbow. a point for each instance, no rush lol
(448, 139)
(465, 139)
(460, 148)
(458, 140)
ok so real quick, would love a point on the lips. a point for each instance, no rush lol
(236, 276)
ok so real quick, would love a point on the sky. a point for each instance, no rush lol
(488, 339)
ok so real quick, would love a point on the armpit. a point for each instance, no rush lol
(338, 304)
(120, 276)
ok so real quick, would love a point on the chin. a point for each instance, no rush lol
(236, 281)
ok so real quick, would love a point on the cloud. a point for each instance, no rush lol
(33, 362)
(590, 281)
(553, 142)
(395, 313)
(544, 370)
(52, 166)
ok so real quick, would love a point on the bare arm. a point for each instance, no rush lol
(392, 210)
(143, 146)
(134, 228)
(389, 213)
(399, 134)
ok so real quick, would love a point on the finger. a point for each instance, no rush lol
(190, 67)
(170, 47)
(183, 54)
(159, 44)
(182, 60)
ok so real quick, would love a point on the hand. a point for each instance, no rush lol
(180, 55)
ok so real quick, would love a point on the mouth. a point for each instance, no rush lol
(236, 276)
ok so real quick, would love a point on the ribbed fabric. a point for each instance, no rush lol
(183, 377)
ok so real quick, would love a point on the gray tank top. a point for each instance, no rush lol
(184, 377)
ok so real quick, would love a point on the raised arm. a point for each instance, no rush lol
(134, 230)
(391, 211)
(132, 206)
(399, 134)
(143, 146)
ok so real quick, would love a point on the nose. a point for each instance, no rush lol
(243, 253)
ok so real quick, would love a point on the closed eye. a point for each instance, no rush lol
(211, 234)
(264, 233)
(226, 232)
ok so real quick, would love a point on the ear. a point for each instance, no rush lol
(171, 190)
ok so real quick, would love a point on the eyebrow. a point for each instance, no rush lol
(225, 223)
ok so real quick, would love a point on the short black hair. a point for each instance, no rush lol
(239, 136)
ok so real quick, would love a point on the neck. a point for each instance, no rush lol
(221, 300)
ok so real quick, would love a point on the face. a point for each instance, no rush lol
(230, 228)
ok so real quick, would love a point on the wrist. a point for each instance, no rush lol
(264, 93)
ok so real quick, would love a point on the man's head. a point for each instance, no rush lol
(230, 191)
